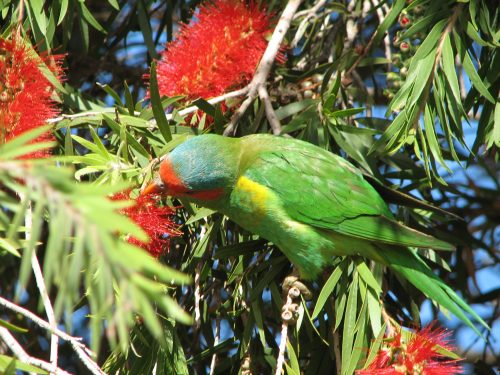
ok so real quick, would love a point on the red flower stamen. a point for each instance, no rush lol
(218, 51)
(25, 93)
(420, 355)
(155, 220)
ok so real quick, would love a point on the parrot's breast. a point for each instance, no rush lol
(259, 209)
(252, 195)
(254, 206)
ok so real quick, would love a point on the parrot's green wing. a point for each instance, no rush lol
(325, 191)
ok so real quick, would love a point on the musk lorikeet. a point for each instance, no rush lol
(310, 203)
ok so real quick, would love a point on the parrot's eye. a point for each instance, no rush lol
(160, 185)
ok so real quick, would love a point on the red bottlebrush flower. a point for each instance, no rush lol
(215, 53)
(25, 94)
(420, 354)
(404, 20)
(156, 221)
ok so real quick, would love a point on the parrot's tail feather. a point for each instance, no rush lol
(409, 265)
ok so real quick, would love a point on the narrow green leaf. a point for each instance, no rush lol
(340, 303)
(375, 347)
(39, 14)
(430, 133)
(128, 99)
(114, 4)
(131, 140)
(256, 311)
(475, 79)
(333, 92)
(374, 312)
(18, 145)
(102, 150)
(5, 361)
(87, 15)
(158, 110)
(205, 106)
(428, 45)
(85, 143)
(448, 64)
(83, 28)
(293, 108)
(348, 332)
(240, 248)
(112, 93)
(357, 348)
(367, 276)
(62, 11)
(294, 361)
(264, 282)
(145, 27)
(8, 245)
(200, 214)
(326, 291)
(496, 127)
(423, 24)
(345, 112)
(12, 327)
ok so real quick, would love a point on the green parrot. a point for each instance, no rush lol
(310, 203)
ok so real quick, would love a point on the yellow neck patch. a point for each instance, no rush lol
(255, 193)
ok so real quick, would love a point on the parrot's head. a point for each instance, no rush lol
(202, 168)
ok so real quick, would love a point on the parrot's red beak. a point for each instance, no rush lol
(154, 187)
(166, 182)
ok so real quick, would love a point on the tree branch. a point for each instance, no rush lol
(183, 112)
(274, 122)
(40, 283)
(81, 350)
(289, 312)
(308, 15)
(264, 67)
(284, 336)
(24, 357)
(217, 331)
(387, 40)
(54, 341)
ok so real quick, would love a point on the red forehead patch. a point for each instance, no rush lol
(172, 182)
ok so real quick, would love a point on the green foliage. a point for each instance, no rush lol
(9, 365)
(82, 248)
(328, 93)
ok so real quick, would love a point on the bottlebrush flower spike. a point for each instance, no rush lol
(420, 354)
(218, 51)
(156, 221)
(25, 93)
